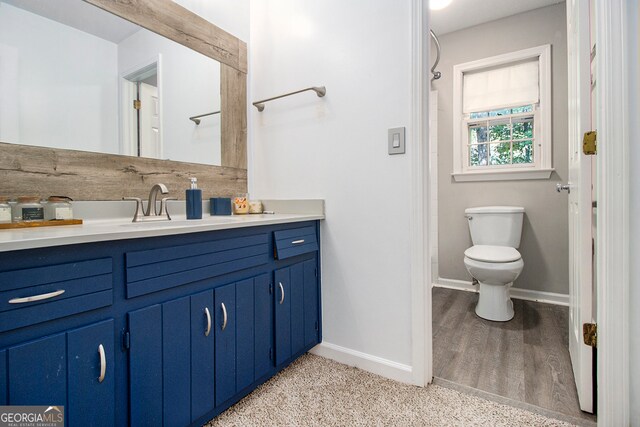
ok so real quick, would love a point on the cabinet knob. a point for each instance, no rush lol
(281, 292)
(224, 316)
(103, 363)
(208, 314)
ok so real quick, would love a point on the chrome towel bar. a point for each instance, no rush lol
(196, 119)
(319, 90)
(436, 74)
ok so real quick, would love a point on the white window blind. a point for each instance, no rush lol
(501, 87)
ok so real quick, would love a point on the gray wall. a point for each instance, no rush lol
(544, 244)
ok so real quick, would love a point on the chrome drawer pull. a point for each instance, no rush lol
(282, 292)
(224, 316)
(206, 311)
(36, 297)
(297, 242)
(103, 363)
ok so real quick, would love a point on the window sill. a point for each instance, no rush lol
(502, 175)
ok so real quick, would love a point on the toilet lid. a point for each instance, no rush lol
(489, 253)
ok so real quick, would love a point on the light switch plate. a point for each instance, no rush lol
(396, 141)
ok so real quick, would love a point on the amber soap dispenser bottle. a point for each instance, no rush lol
(194, 200)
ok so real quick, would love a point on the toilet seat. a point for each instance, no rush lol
(491, 254)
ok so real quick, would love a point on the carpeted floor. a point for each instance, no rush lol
(315, 391)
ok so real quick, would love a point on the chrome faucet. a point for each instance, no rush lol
(142, 215)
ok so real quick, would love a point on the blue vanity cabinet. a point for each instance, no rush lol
(244, 349)
(159, 331)
(73, 369)
(296, 309)
(171, 361)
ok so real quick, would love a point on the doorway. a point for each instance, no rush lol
(141, 112)
(526, 359)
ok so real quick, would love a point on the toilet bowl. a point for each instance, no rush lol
(495, 268)
(493, 260)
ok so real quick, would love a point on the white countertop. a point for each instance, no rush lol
(100, 230)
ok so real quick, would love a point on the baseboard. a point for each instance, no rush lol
(516, 293)
(367, 362)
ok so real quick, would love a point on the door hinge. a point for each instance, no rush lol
(590, 334)
(270, 288)
(316, 326)
(137, 104)
(126, 340)
(271, 353)
(590, 143)
(315, 271)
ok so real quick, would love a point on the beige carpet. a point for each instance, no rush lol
(315, 391)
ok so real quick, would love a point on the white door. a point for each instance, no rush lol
(150, 145)
(580, 203)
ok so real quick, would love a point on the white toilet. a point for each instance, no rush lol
(493, 259)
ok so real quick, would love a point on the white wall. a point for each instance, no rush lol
(58, 84)
(633, 18)
(189, 85)
(335, 148)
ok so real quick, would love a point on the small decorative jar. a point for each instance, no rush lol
(255, 207)
(58, 207)
(5, 210)
(241, 204)
(28, 208)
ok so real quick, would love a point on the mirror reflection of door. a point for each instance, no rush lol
(142, 135)
(149, 122)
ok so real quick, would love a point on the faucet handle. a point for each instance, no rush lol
(139, 207)
(163, 206)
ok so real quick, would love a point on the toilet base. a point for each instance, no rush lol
(494, 302)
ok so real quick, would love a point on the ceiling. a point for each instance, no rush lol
(80, 15)
(467, 13)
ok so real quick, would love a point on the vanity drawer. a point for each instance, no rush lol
(157, 269)
(295, 241)
(36, 295)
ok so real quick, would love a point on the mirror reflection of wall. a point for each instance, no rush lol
(69, 73)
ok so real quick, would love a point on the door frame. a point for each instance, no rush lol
(421, 334)
(612, 180)
(128, 120)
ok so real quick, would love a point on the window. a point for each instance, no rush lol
(502, 117)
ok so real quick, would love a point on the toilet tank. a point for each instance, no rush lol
(495, 225)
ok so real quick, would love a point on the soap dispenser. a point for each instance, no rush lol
(194, 200)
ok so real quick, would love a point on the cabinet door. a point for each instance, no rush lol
(91, 381)
(145, 366)
(283, 315)
(3, 378)
(171, 361)
(245, 333)
(202, 354)
(176, 362)
(296, 274)
(225, 326)
(311, 303)
(263, 326)
(297, 314)
(74, 369)
(38, 372)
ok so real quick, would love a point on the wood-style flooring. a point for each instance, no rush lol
(525, 359)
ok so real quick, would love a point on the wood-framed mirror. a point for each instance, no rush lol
(84, 175)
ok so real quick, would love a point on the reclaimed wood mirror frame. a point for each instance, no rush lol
(82, 175)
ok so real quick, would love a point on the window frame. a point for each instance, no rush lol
(541, 168)
(537, 155)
